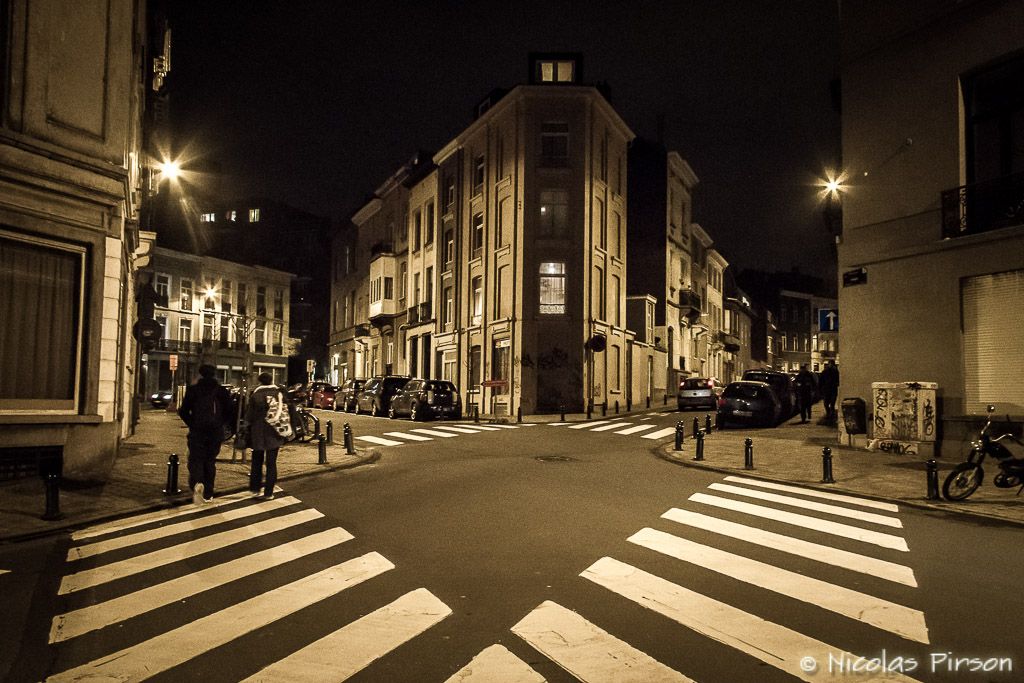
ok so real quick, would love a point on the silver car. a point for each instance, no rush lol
(699, 392)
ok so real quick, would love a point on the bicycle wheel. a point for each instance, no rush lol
(308, 427)
(963, 481)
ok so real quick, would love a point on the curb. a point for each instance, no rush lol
(372, 456)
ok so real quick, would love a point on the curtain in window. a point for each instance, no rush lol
(39, 302)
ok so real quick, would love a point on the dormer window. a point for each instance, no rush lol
(551, 68)
(556, 71)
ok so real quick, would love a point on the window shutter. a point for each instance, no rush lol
(993, 346)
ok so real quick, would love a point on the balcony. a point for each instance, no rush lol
(186, 348)
(361, 331)
(730, 342)
(689, 305)
(981, 207)
(413, 315)
(426, 311)
(382, 248)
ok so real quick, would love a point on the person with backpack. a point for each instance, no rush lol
(209, 412)
(268, 420)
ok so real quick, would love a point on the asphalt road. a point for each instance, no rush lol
(545, 540)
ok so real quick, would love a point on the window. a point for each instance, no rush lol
(478, 175)
(474, 366)
(403, 285)
(995, 134)
(554, 212)
(782, 343)
(348, 259)
(254, 215)
(243, 298)
(417, 228)
(448, 362)
(601, 225)
(226, 292)
(649, 323)
(616, 234)
(209, 321)
(416, 288)
(478, 234)
(500, 354)
(449, 248)
(449, 203)
(552, 288)
(504, 223)
(42, 288)
(477, 307)
(389, 288)
(449, 306)
(276, 340)
(428, 283)
(185, 330)
(615, 376)
(279, 303)
(599, 294)
(555, 71)
(261, 336)
(261, 301)
(162, 284)
(554, 142)
(503, 294)
(161, 320)
(208, 218)
(616, 318)
(428, 225)
(231, 215)
(185, 298)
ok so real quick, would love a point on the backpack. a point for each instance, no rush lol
(207, 411)
(278, 416)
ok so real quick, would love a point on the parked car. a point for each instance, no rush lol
(322, 395)
(425, 398)
(749, 403)
(161, 399)
(375, 398)
(699, 392)
(346, 395)
(782, 383)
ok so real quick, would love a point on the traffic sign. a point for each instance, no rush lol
(828, 320)
(494, 383)
(173, 360)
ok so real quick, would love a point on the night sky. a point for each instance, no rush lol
(317, 103)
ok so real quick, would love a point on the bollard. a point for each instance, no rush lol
(718, 421)
(604, 409)
(346, 435)
(316, 427)
(748, 454)
(321, 450)
(666, 400)
(696, 427)
(629, 404)
(171, 487)
(826, 466)
(699, 455)
(616, 406)
(562, 406)
(648, 403)
(476, 413)
(707, 422)
(52, 484)
(933, 479)
(590, 407)
(679, 435)
(519, 414)
(330, 432)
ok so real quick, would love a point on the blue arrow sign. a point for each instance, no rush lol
(828, 320)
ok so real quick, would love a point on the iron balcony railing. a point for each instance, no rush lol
(980, 207)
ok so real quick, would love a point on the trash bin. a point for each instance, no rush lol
(854, 416)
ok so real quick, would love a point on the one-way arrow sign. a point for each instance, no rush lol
(828, 320)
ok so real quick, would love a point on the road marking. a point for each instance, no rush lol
(481, 428)
(814, 493)
(614, 425)
(100, 547)
(179, 645)
(433, 432)
(810, 505)
(410, 437)
(352, 648)
(75, 623)
(588, 425)
(796, 546)
(660, 434)
(883, 614)
(501, 426)
(496, 664)
(558, 424)
(89, 578)
(638, 428)
(769, 642)
(527, 424)
(586, 651)
(806, 521)
(380, 441)
(460, 430)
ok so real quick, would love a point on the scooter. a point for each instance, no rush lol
(967, 476)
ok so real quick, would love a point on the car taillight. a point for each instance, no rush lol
(710, 384)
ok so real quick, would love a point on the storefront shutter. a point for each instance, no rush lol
(992, 322)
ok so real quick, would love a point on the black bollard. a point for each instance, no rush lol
(648, 402)
(346, 434)
(476, 413)
(718, 421)
(562, 406)
(604, 409)
(330, 432)
(171, 487)
(52, 484)
(321, 449)
(679, 435)
(629, 404)
(519, 414)
(616, 406)
(826, 466)
(696, 427)
(748, 454)
(699, 455)
(932, 468)
(707, 422)
(316, 427)
(666, 400)
(590, 408)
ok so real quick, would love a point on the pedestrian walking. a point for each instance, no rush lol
(805, 392)
(830, 390)
(209, 412)
(267, 408)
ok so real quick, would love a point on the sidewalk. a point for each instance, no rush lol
(140, 474)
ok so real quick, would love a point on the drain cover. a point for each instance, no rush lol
(555, 458)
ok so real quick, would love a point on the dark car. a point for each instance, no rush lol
(321, 395)
(698, 392)
(160, 399)
(782, 383)
(425, 398)
(348, 392)
(749, 403)
(376, 395)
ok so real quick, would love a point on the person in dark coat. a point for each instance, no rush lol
(209, 412)
(264, 439)
(830, 389)
(805, 392)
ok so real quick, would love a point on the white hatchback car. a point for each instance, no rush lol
(699, 392)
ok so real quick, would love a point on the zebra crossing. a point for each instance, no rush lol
(441, 431)
(650, 431)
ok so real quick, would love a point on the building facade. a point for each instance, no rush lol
(931, 257)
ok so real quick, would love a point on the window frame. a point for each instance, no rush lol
(559, 280)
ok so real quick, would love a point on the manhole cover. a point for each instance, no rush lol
(555, 458)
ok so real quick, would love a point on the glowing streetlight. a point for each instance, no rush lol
(832, 185)
(170, 170)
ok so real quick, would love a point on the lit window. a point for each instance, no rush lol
(254, 216)
(478, 300)
(478, 233)
(208, 218)
(185, 299)
(556, 71)
(185, 330)
(231, 215)
(552, 288)
(162, 284)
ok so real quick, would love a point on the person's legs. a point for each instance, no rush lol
(256, 471)
(268, 487)
(195, 465)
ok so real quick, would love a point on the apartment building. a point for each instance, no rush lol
(716, 320)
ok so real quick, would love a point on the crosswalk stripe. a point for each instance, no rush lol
(588, 425)
(810, 505)
(496, 664)
(769, 642)
(638, 428)
(806, 521)
(558, 424)
(614, 425)
(352, 648)
(380, 441)
(159, 515)
(795, 546)
(527, 424)
(75, 623)
(175, 647)
(660, 434)
(814, 493)
(93, 577)
(883, 614)
(460, 430)
(100, 547)
(406, 435)
(481, 428)
(434, 432)
(586, 651)
(501, 426)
